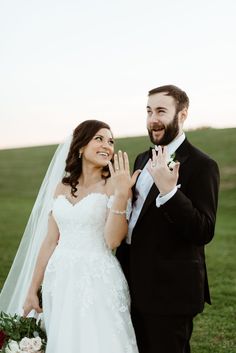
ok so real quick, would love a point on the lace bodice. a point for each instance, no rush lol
(81, 225)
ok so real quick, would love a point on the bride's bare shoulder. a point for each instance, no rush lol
(61, 189)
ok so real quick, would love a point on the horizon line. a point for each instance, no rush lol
(118, 138)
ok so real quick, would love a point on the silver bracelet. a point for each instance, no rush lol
(118, 212)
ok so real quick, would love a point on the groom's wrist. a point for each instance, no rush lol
(162, 199)
(166, 191)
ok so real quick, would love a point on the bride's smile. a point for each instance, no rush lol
(100, 150)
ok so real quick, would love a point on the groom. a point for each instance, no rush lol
(173, 218)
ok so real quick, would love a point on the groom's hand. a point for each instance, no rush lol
(164, 178)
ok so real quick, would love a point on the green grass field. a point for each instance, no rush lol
(22, 171)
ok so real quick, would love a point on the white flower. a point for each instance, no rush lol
(30, 345)
(25, 344)
(171, 165)
(12, 347)
(36, 343)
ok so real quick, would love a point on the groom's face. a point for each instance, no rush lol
(162, 120)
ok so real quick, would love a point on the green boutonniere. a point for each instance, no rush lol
(171, 162)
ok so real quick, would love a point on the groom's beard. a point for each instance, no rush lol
(171, 131)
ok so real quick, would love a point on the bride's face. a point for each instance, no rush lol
(100, 149)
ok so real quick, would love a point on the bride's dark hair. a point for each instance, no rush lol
(82, 135)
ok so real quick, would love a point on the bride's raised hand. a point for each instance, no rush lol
(31, 303)
(120, 173)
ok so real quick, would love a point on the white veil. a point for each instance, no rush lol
(15, 289)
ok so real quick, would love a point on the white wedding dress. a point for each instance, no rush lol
(85, 294)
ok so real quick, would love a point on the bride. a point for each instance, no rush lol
(85, 294)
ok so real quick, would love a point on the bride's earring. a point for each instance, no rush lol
(80, 155)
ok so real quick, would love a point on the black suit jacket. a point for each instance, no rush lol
(165, 263)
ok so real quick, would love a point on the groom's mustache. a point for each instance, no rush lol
(156, 126)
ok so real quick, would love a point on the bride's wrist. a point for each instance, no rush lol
(121, 195)
(33, 290)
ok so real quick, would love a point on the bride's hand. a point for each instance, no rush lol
(31, 303)
(120, 173)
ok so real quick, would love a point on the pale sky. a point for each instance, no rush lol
(65, 61)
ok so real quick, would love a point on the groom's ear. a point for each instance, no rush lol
(182, 115)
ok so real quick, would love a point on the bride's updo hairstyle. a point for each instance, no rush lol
(82, 135)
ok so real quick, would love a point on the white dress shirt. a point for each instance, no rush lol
(144, 184)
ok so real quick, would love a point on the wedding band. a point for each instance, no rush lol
(153, 165)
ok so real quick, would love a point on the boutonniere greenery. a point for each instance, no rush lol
(171, 162)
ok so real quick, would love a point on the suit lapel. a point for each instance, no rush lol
(181, 156)
(149, 199)
(182, 153)
(142, 162)
(140, 165)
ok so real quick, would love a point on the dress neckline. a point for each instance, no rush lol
(83, 198)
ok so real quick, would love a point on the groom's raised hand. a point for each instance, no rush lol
(164, 177)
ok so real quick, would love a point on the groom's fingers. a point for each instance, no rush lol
(160, 155)
(164, 152)
(154, 156)
(176, 169)
(150, 166)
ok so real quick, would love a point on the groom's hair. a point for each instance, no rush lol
(180, 97)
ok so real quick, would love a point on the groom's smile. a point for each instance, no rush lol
(157, 133)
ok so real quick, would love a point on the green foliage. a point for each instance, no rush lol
(22, 171)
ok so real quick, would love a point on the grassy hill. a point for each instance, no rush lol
(22, 171)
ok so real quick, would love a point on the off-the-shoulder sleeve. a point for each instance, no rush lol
(50, 206)
(128, 208)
